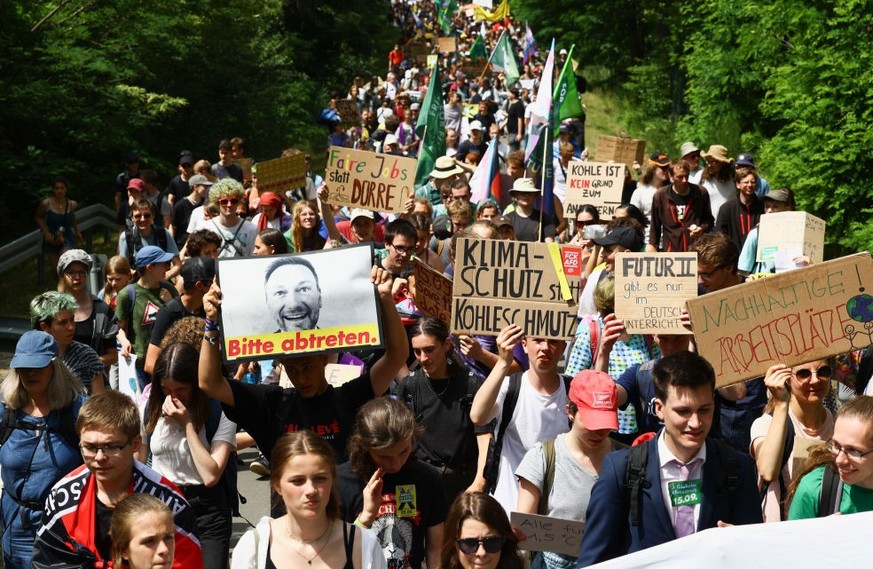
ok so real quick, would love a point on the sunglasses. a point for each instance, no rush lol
(228, 201)
(142, 216)
(824, 372)
(470, 545)
(582, 222)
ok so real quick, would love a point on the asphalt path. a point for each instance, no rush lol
(256, 491)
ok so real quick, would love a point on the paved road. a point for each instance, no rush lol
(257, 493)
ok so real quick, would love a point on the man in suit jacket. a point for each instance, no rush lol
(683, 470)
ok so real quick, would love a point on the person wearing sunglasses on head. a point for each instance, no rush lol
(478, 535)
(141, 230)
(237, 234)
(794, 416)
(842, 469)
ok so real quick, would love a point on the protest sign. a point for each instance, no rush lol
(595, 183)
(282, 174)
(418, 51)
(543, 533)
(338, 374)
(379, 182)
(571, 258)
(348, 112)
(790, 318)
(620, 149)
(308, 303)
(651, 290)
(433, 292)
(791, 230)
(432, 60)
(473, 69)
(498, 283)
(448, 45)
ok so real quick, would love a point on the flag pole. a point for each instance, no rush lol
(492, 54)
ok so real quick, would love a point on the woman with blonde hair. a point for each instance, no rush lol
(41, 399)
(304, 474)
(143, 533)
(841, 469)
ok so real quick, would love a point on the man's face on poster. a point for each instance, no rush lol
(293, 298)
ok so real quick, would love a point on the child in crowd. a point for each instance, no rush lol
(118, 276)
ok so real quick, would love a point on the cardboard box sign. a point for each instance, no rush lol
(620, 149)
(348, 112)
(448, 45)
(433, 292)
(282, 174)
(651, 290)
(379, 182)
(791, 231)
(790, 318)
(596, 183)
(543, 533)
(498, 283)
(246, 165)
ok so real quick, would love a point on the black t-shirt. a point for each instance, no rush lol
(442, 407)
(181, 216)
(466, 147)
(413, 500)
(178, 188)
(528, 228)
(169, 314)
(515, 112)
(267, 412)
(102, 521)
(101, 340)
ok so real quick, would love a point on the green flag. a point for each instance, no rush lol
(504, 60)
(431, 129)
(565, 100)
(478, 49)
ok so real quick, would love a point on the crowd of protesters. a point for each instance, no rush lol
(421, 458)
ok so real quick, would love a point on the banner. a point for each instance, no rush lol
(433, 292)
(791, 231)
(542, 533)
(127, 379)
(359, 178)
(282, 174)
(651, 290)
(431, 129)
(308, 303)
(596, 183)
(790, 318)
(498, 283)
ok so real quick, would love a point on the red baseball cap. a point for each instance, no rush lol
(595, 395)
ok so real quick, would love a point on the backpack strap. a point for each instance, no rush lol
(635, 479)
(410, 389)
(549, 478)
(496, 447)
(10, 418)
(128, 238)
(787, 448)
(67, 426)
(131, 296)
(831, 492)
(729, 474)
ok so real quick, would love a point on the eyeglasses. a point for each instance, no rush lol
(707, 276)
(228, 201)
(403, 250)
(835, 449)
(470, 545)
(804, 374)
(583, 222)
(142, 216)
(76, 274)
(108, 450)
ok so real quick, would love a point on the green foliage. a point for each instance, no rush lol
(83, 83)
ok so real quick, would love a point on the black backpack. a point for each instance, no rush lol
(134, 240)
(635, 478)
(831, 492)
(495, 448)
(66, 427)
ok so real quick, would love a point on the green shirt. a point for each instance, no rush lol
(147, 302)
(805, 503)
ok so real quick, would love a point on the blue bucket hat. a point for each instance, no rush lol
(35, 349)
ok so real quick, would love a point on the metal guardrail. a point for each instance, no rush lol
(29, 246)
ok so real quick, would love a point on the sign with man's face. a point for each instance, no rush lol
(307, 303)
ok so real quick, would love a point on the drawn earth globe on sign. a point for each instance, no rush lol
(860, 308)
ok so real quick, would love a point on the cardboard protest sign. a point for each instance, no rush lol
(338, 374)
(791, 318)
(498, 283)
(543, 533)
(433, 292)
(282, 174)
(308, 303)
(595, 183)
(791, 230)
(418, 51)
(473, 69)
(379, 182)
(246, 165)
(651, 290)
(348, 112)
(620, 149)
(448, 45)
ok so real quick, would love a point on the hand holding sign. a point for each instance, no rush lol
(508, 339)
(776, 380)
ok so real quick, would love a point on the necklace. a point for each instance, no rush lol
(309, 542)
(440, 393)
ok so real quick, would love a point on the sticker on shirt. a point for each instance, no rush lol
(685, 492)
(406, 501)
(150, 313)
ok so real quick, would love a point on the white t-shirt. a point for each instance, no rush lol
(237, 241)
(537, 417)
(196, 220)
(719, 193)
(642, 198)
(171, 454)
